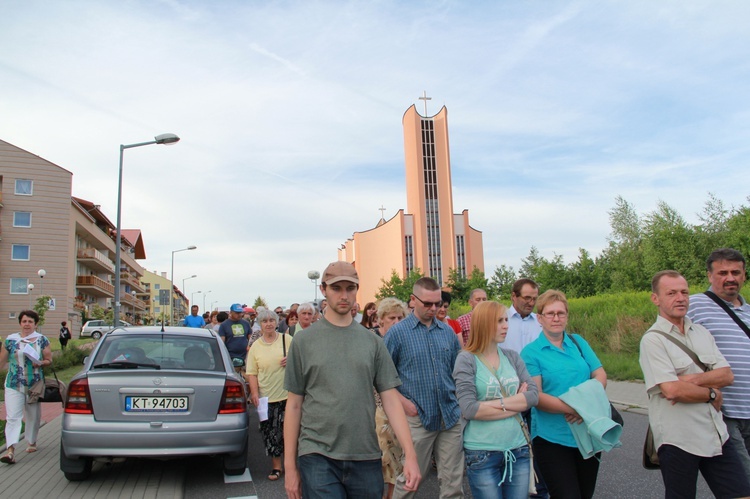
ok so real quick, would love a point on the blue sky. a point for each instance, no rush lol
(290, 119)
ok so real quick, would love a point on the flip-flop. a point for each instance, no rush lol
(274, 475)
(31, 448)
(8, 458)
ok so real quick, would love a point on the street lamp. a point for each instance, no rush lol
(171, 281)
(314, 275)
(185, 279)
(30, 288)
(204, 299)
(193, 295)
(165, 138)
(41, 273)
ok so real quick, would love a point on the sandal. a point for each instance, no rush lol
(274, 475)
(31, 448)
(8, 458)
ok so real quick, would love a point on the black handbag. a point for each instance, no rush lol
(54, 390)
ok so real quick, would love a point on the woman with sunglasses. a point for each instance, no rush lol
(493, 389)
(557, 364)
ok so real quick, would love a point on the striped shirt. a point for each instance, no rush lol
(733, 344)
(424, 358)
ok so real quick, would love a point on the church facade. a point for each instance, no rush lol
(428, 235)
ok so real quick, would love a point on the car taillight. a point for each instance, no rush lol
(233, 399)
(79, 398)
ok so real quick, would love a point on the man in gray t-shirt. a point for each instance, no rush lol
(331, 448)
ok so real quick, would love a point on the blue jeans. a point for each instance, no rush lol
(487, 469)
(324, 478)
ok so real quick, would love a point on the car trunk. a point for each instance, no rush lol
(150, 395)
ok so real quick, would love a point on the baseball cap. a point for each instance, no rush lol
(236, 307)
(249, 310)
(340, 271)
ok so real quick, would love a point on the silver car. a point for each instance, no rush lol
(152, 392)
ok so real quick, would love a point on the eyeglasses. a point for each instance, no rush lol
(528, 299)
(429, 304)
(552, 315)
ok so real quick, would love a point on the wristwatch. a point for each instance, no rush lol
(711, 395)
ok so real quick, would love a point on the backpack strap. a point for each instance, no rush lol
(731, 313)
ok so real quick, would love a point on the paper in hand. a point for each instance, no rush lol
(263, 408)
(31, 353)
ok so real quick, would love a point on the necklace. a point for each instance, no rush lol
(495, 365)
(263, 339)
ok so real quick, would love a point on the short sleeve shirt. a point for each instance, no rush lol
(335, 369)
(695, 428)
(560, 370)
(21, 372)
(264, 361)
(236, 333)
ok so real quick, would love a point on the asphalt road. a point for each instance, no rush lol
(621, 475)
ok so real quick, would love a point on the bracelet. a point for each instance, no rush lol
(502, 404)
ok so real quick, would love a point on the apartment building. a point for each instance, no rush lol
(153, 283)
(43, 227)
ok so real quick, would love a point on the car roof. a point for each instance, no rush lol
(184, 331)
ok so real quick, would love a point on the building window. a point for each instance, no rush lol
(21, 219)
(19, 286)
(20, 252)
(157, 286)
(409, 254)
(157, 310)
(461, 255)
(24, 187)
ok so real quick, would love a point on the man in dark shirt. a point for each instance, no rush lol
(235, 332)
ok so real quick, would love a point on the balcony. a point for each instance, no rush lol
(95, 259)
(127, 277)
(133, 302)
(95, 286)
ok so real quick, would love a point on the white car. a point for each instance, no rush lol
(96, 328)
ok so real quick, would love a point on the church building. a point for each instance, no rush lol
(428, 235)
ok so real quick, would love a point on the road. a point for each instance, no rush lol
(620, 475)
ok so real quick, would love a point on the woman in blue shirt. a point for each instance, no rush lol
(556, 365)
(493, 387)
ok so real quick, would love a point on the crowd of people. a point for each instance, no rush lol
(364, 404)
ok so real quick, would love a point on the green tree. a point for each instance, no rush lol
(624, 254)
(502, 281)
(259, 302)
(97, 312)
(40, 307)
(738, 226)
(582, 275)
(531, 265)
(670, 243)
(477, 280)
(458, 285)
(398, 287)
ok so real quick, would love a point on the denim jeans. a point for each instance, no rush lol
(723, 473)
(324, 478)
(739, 434)
(487, 469)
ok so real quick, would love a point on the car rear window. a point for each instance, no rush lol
(166, 351)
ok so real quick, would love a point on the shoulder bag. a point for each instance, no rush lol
(731, 313)
(616, 416)
(650, 457)
(524, 428)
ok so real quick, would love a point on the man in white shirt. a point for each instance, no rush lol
(523, 328)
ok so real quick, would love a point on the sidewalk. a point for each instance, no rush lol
(628, 395)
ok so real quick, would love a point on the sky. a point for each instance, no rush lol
(289, 114)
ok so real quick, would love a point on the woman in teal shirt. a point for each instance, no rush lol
(493, 387)
(556, 365)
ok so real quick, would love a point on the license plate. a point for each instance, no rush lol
(156, 404)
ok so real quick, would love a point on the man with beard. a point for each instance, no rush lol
(726, 274)
(331, 448)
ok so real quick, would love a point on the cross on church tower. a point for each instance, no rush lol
(382, 212)
(425, 99)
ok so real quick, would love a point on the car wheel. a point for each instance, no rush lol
(235, 464)
(96, 335)
(75, 469)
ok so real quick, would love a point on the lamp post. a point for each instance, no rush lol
(193, 295)
(171, 282)
(204, 299)
(41, 273)
(30, 287)
(165, 138)
(184, 289)
(314, 275)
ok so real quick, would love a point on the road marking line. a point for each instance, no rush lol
(245, 477)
